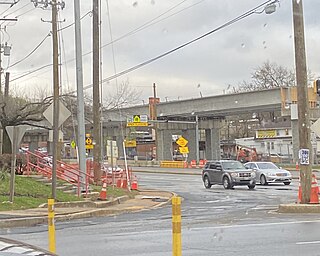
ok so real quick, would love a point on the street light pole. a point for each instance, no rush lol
(303, 102)
(197, 140)
(80, 101)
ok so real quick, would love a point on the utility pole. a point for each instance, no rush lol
(80, 102)
(96, 93)
(54, 5)
(303, 102)
(6, 51)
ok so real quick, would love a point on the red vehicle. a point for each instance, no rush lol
(246, 154)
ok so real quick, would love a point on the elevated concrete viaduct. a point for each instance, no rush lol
(178, 117)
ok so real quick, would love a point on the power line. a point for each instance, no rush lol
(16, 63)
(238, 18)
(15, 10)
(145, 25)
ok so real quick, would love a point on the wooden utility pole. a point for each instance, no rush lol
(96, 93)
(303, 102)
(55, 98)
(6, 85)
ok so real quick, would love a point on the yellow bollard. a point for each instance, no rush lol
(176, 226)
(51, 228)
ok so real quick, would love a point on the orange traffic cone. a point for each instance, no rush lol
(299, 193)
(103, 193)
(314, 195)
(134, 184)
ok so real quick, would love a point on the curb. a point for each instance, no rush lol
(98, 212)
(88, 204)
(299, 208)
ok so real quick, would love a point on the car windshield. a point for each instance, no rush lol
(267, 166)
(232, 165)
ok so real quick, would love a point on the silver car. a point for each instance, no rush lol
(268, 172)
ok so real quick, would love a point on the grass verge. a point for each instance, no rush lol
(29, 193)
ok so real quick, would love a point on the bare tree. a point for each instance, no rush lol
(269, 75)
(19, 111)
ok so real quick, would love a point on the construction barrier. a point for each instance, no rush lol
(202, 163)
(103, 193)
(172, 164)
(314, 194)
(193, 164)
(299, 193)
(134, 183)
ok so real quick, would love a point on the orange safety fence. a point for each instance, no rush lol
(66, 172)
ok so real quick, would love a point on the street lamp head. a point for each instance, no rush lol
(270, 8)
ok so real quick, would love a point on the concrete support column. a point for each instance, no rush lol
(212, 144)
(164, 138)
(119, 141)
(190, 136)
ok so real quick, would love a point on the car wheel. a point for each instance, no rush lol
(226, 182)
(251, 186)
(206, 182)
(286, 183)
(263, 180)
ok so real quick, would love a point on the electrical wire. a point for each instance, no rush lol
(238, 18)
(145, 25)
(16, 9)
(31, 72)
(151, 23)
(27, 56)
(70, 25)
(33, 9)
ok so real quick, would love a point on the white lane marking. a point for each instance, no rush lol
(310, 242)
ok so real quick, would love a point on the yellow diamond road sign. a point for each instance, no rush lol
(136, 119)
(184, 150)
(182, 142)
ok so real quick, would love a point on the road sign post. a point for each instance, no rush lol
(15, 134)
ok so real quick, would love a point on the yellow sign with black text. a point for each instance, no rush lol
(266, 134)
(184, 150)
(130, 143)
(182, 142)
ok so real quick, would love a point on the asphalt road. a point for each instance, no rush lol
(214, 222)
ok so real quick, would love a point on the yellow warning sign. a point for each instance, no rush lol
(130, 143)
(182, 142)
(136, 119)
(184, 150)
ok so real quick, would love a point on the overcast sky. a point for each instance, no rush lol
(205, 67)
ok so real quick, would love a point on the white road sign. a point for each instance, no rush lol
(20, 130)
(316, 127)
(64, 113)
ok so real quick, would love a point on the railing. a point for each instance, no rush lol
(112, 177)
(68, 173)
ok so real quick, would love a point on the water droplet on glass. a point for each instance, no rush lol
(164, 31)
(243, 45)
(290, 36)
(265, 24)
(264, 42)
(215, 235)
(135, 4)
